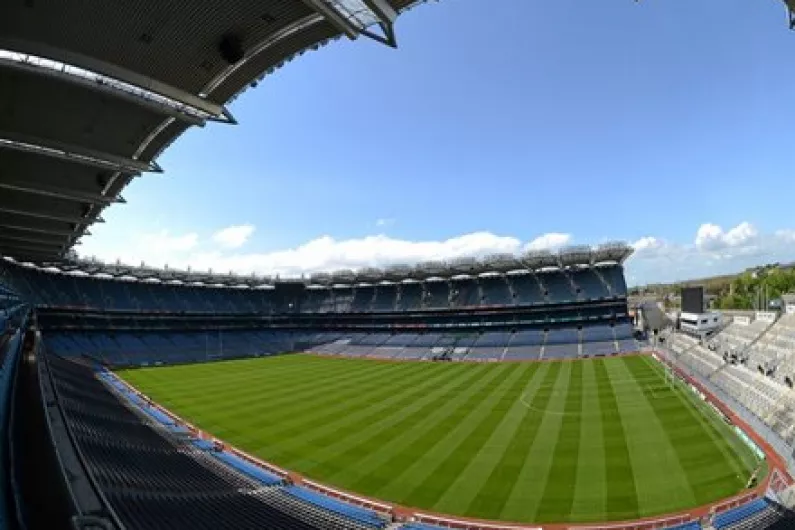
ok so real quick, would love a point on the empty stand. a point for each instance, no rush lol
(496, 291)
(561, 343)
(155, 481)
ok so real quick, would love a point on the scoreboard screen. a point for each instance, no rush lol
(693, 300)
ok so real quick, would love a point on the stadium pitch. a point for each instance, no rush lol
(572, 441)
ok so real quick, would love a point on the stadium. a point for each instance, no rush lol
(513, 390)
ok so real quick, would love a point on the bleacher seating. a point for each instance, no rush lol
(758, 514)
(49, 288)
(155, 481)
(591, 284)
(496, 291)
(527, 290)
(557, 288)
(525, 345)
(490, 345)
(598, 340)
(362, 298)
(464, 293)
(774, 352)
(736, 338)
(409, 297)
(437, 295)
(560, 343)
(772, 402)
(385, 298)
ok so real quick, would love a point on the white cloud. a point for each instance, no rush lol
(155, 248)
(712, 237)
(385, 221)
(321, 254)
(713, 250)
(549, 241)
(647, 243)
(233, 236)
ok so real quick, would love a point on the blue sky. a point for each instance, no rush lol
(494, 126)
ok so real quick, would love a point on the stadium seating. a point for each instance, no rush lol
(465, 293)
(774, 352)
(362, 298)
(772, 402)
(496, 291)
(591, 285)
(525, 345)
(527, 289)
(155, 481)
(598, 340)
(734, 340)
(50, 288)
(561, 343)
(757, 514)
(124, 348)
(385, 298)
(557, 287)
(343, 299)
(437, 295)
(489, 346)
(409, 297)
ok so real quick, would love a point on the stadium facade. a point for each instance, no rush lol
(97, 95)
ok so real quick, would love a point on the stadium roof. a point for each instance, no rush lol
(90, 96)
(532, 260)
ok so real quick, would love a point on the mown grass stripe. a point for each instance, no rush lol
(713, 449)
(482, 440)
(496, 488)
(590, 489)
(419, 460)
(657, 492)
(294, 420)
(214, 376)
(240, 392)
(297, 406)
(398, 429)
(480, 422)
(741, 457)
(467, 494)
(526, 494)
(556, 502)
(622, 494)
(400, 412)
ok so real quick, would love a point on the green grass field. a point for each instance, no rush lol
(589, 440)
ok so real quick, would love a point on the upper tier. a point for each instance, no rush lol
(581, 284)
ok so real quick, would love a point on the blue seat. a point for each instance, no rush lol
(735, 515)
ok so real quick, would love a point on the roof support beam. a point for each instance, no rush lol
(72, 219)
(383, 10)
(107, 86)
(22, 253)
(73, 153)
(334, 17)
(61, 193)
(37, 230)
(272, 40)
(114, 71)
(32, 240)
(386, 15)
